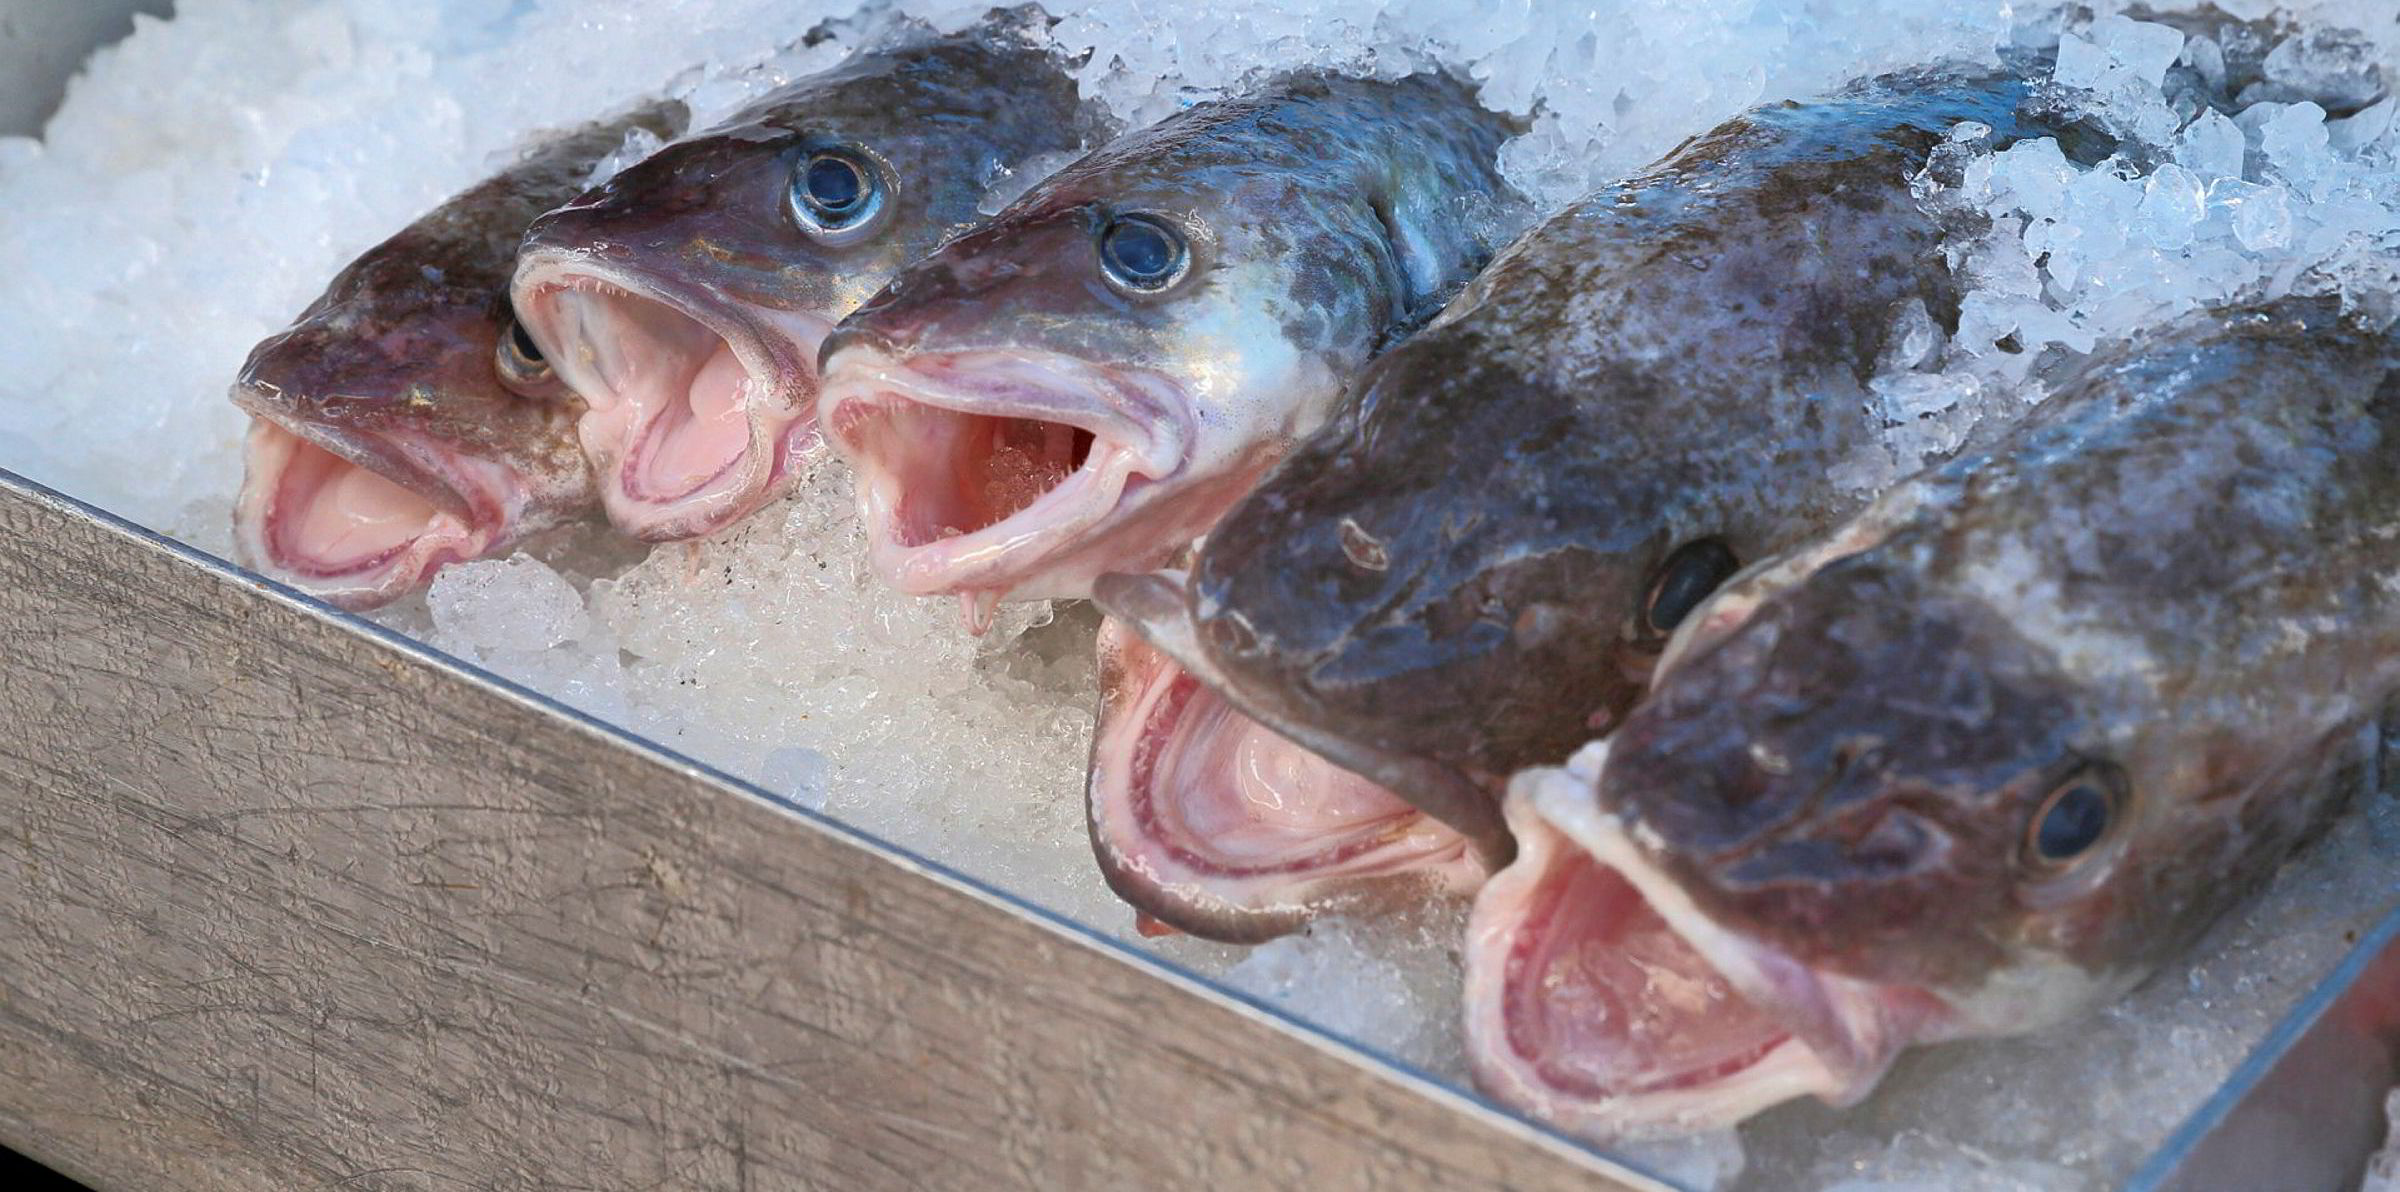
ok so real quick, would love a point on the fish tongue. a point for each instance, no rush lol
(1209, 823)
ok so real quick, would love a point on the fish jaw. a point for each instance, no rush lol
(361, 523)
(699, 406)
(1019, 472)
(1601, 998)
(1156, 606)
(1206, 821)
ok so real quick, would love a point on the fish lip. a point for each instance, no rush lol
(1158, 862)
(779, 390)
(1140, 422)
(1649, 1104)
(1156, 606)
(1850, 1030)
(480, 505)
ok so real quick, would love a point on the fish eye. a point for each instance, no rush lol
(2073, 818)
(1684, 580)
(519, 359)
(835, 195)
(1141, 254)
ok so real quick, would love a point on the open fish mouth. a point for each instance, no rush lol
(696, 406)
(1600, 997)
(1156, 606)
(1208, 822)
(992, 473)
(360, 521)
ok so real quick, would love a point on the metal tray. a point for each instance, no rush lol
(295, 902)
(291, 901)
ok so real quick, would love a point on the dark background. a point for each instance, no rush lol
(19, 1172)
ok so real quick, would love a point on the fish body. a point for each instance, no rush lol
(1086, 381)
(1991, 753)
(686, 297)
(401, 423)
(1644, 392)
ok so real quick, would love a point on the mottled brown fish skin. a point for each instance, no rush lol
(404, 338)
(1457, 569)
(2178, 580)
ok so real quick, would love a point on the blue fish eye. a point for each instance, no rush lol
(1140, 253)
(833, 191)
(2073, 819)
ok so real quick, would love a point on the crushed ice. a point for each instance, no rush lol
(209, 174)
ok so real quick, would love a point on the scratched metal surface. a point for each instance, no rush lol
(291, 903)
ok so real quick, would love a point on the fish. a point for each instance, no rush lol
(1213, 825)
(404, 422)
(1473, 567)
(1087, 380)
(686, 297)
(1981, 760)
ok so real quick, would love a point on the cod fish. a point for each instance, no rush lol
(1473, 568)
(685, 299)
(1086, 381)
(1977, 762)
(405, 422)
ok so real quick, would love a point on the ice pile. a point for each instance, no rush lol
(208, 175)
(2236, 181)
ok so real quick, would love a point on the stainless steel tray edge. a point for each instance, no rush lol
(2305, 1108)
(294, 901)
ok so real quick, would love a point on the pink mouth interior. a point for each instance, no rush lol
(956, 473)
(1209, 821)
(672, 398)
(1230, 796)
(330, 517)
(1601, 998)
(343, 531)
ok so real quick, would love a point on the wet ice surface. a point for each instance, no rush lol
(210, 175)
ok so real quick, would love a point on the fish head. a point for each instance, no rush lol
(1887, 779)
(1872, 813)
(1434, 544)
(687, 296)
(402, 423)
(1088, 380)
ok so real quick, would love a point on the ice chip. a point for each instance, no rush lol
(2174, 201)
(517, 603)
(639, 143)
(2033, 176)
(2212, 146)
(2081, 63)
(2138, 51)
(2207, 59)
(2294, 143)
(2262, 215)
